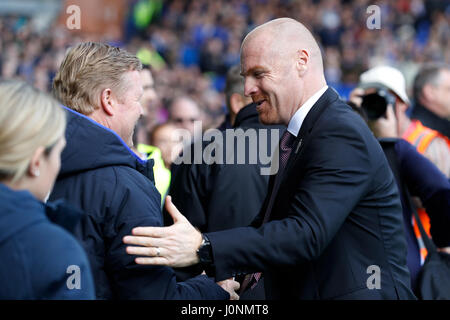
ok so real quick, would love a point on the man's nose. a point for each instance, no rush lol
(250, 87)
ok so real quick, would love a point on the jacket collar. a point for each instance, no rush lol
(431, 120)
(91, 145)
(313, 115)
(19, 209)
(247, 114)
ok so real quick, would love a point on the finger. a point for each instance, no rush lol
(236, 285)
(154, 232)
(356, 96)
(390, 112)
(173, 211)
(234, 296)
(142, 251)
(155, 261)
(143, 241)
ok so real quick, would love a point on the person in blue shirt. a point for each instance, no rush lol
(39, 259)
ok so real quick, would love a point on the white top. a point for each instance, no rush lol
(297, 120)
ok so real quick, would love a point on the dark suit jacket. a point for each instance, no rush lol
(219, 196)
(336, 213)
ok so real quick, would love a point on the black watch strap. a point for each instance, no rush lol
(204, 252)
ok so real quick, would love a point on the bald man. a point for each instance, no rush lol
(331, 225)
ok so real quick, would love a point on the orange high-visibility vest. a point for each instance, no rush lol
(421, 137)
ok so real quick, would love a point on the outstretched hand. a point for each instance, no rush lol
(174, 246)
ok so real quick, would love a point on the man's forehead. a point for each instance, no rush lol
(252, 57)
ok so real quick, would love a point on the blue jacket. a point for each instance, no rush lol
(39, 259)
(115, 188)
(424, 180)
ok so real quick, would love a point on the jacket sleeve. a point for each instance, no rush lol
(135, 207)
(339, 166)
(427, 182)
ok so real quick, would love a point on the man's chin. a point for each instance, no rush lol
(267, 120)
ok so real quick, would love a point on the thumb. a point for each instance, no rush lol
(173, 211)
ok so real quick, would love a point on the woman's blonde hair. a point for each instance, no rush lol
(28, 119)
(89, 68)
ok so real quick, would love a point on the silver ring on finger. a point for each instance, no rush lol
(158, 251)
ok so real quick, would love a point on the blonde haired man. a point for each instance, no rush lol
(102, 87)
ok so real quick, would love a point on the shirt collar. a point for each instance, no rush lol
(299, 116)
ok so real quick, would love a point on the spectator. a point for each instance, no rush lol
(432, 98)
(177, 33)
(163, 137)
(422, 179)
(101, 86)
(150, 105)
(38, 257)
(428, 142)
(184, 112)
(163, 151)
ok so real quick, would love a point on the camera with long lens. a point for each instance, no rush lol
(375, 104)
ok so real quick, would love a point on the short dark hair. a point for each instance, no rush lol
(234, 83)
(428, 74)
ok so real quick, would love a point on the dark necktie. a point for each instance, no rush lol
(286, 144)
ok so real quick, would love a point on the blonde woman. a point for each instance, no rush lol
(39, 259)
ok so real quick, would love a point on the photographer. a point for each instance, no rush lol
(379, 104)
(390, 82)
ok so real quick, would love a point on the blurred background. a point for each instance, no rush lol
(190, 45)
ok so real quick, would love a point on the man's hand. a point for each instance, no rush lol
(174, 246)
(445, 249)
(356, 96)
(231, 287)
(385, 127)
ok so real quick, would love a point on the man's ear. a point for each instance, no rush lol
(427, 92)
(236, 103)
(34, 168)
(107, 101)
(302, 62)
(400, 108)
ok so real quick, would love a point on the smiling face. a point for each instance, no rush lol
(271, 79)
(128, 107)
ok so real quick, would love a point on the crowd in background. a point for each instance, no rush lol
(177, 63)
(191, 44)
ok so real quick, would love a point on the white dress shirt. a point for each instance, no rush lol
(299, 116)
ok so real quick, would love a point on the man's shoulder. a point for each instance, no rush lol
(114, 175)
(107, 187)
(340, 116)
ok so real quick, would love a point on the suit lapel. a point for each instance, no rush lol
(303, 137)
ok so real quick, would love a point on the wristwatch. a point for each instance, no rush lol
(204, 252)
